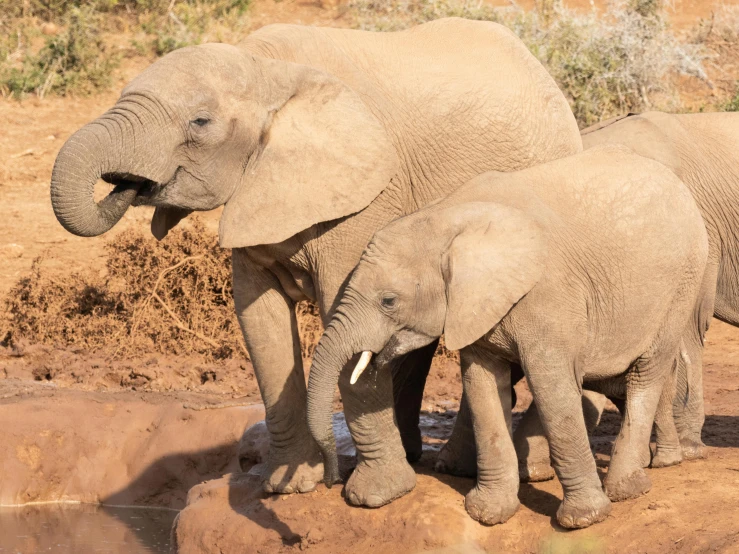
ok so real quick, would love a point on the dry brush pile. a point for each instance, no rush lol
(171, 297)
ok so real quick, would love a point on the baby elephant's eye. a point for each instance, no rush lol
(389, 301)
(200, 122)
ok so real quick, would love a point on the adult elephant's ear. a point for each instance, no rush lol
(496, 257)
(324, 155)
(166, 218)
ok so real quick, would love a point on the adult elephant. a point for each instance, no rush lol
(701, 150)
(313, 139)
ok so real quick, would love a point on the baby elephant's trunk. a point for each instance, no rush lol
(333, 352)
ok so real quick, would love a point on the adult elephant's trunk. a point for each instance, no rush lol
(333, 352)
(98, 149)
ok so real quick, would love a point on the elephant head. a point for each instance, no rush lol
(455, 270)
(283, 146)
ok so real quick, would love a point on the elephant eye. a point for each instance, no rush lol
(389, 301)
(200, 122)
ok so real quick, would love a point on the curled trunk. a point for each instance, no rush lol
(93, 151)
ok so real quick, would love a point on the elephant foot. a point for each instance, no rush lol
(693, 450)
(666, 457)
(633, 485)
(577, 512)
(453, 460)
(374, 485)
(489, 506)
(535, 472)
(293, 471)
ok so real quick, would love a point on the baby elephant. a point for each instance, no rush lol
(584, 268)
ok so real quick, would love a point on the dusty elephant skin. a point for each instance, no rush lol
(313, 139)
(701, 150)
(585, 268)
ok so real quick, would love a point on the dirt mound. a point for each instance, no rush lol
(117, 449)
(679, 514)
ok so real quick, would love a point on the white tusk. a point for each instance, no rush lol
(362, 364)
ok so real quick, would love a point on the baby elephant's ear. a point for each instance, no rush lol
(495, 259)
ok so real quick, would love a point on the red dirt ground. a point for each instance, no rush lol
(124, 425)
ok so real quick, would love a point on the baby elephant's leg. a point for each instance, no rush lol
(644, 383)
(532, 446)
(459, 456)
(487, 388)
(668, 451)
(688, 402)
(558, 399)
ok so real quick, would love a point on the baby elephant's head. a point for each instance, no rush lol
(455, 270)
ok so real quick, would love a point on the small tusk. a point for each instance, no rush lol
(362, 364)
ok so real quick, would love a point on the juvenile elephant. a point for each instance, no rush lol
(701, 149)
(585, 268)
(314, 138)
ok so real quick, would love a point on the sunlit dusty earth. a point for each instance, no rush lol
(145, 431)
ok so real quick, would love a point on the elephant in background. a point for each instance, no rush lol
(701, 149)
(313, 139)
(582, 269)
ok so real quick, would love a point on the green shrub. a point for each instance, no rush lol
(75, 60)
(53, 10)
(732, 105)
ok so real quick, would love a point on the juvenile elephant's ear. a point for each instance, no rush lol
(166, 218)
(495, 259)
(324, 156)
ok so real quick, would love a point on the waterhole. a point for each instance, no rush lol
(84, 529)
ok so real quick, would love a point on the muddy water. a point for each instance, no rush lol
(84, 529)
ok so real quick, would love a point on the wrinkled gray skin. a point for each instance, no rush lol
(313, 139)
(581, 269)
(701, 150)
(585, 268)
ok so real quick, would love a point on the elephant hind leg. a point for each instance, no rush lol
(667, 452)
(688, 408)
(409, 380)
(645, 382)
(558, 400)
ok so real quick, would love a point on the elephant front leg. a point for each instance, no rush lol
(267, 318)
(409, 380)
(382, 473)
(532, 448)
(487, 388)
(459, 455)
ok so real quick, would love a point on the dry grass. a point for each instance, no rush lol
(61, 46)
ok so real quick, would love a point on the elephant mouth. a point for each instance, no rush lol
(146, 189)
